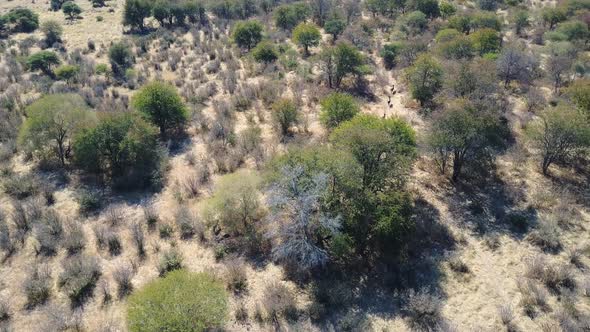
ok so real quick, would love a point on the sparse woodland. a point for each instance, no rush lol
(278, 165)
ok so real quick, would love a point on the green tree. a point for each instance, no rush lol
(335, 27)
(385, 148)
(265, 52)
(51, 124)
(486, 41)
(161, 11)
(579, 93)
(181, 301)
(22, 20)
(463, 135)
(340, 61)
(553, 15)
(121, 58)
(425, 78)
(247, 34)
(67, 72)
(235, 204)
(447, 9)
(43, 61)
(461, 23)
(521, 21)
(306, 35)
(123, 149)
(71, 10)
(428, 7)
(389, 54)
(289, 15)
(160, 104)
(52, 31)
(284, 115)
(559, 134)
(135, 12)
(337, 108)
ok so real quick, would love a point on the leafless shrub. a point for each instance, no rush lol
(507, 317)
(241, 312)
(62, 318)
(7, 242)
(458, 265)
(21, 221)
(122, 276)
(546, 236)
(5, 312)
(190, 185)
(104, 289)
(236, 276)
(575, 257)
(114, 243)
(114, 215)
(278, 301)
(49, 232)
(151, 216)
(37, 285)
(187, 223)
(74, 239)
(138, 238)
(533, 297)
(79, 276)
(423, 309)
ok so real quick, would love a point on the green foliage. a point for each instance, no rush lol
(414, 22)
(265, 52)
(425, 78)
(428, 7)
(341, 61)
(52, 31)
(135, 12)
(521, 21)
(486, 41)
(247, 34)
(561, 133)
(71, 9)
(337, 108)
(172, 259)
(123, 149)
(160, 104)
(465, 135)
(460, 47)
(553, 15)
(235, 203)
(579, 93)
(43, 61)
(289, 15)
(51, 124)
(284, 115)
(486, 21)
(573, 31)
(447, 9)
(306, 35)
(120, 58)
(384, 148)
(22, 20)
(181, 301)
(390, 53)
(67, 72)
(335, 27)
(460, 22)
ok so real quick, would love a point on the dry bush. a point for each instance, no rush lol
(122, 276)
(79, 276)
(74, 238)
(546, 235)
(188, 223)
(241, 312)
(22, 223)
(104, 289)
(165, 230)
(138, 238)
(114, 215)
(507, 317)
(49, 232)
(151, 216)
(236, 275)
(279, 301)
(533, 297)
(21, 186)
(169, 261)
(62, 318)
(423, 310)
(7, 241)
(5, 311)
(37, 285)
(191, 186)
(458, 265)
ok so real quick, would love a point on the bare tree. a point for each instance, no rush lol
(297, 220)
(515, 65)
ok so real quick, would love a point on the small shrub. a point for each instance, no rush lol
(507, 316)
(423, 309)
(166, 231)
(457, 265)
(241, 313)
(171, 260)
(279, 301)
(122, 276)
(151, 216)
(186, 221)
(37, 285)
(533, 297)
(21, 186)
(236, 275)
(181, 301)
(546, 236)
(138, 238)
(90, 202)
(74, 239)
(114, 215)
(518, 221)
(4, 310)
(79, 276)
(114, 243)
(49, 232)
